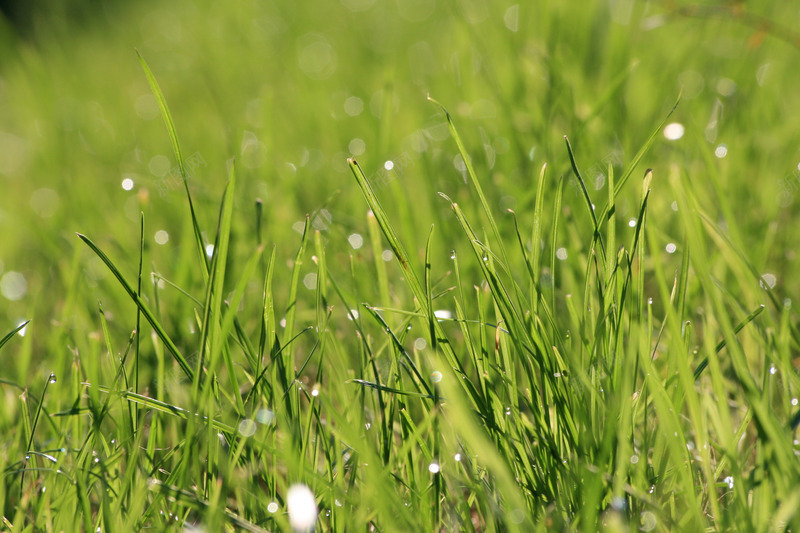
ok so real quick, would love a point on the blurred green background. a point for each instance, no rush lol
(292, 89)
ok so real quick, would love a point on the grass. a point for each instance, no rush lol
(513, 306)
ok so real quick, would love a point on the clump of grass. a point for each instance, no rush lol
(611, 391)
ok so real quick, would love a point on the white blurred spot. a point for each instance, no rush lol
(357, 146)
(436, 376)
(210, 250)
(674, 131)
(316, 57)
(147, 107)
(729, 481)
(561, 254)
(671, 248)
(632, 223)
(161, 237)
(721, 151)
(433, 468)
(45, 202)
(247, 428)
(354, 106)
(389, 165)
(272, 507)
(310, 280)
(511, 18)
(420, 343)
(768, 281)
(127, 184)
(674, 206)
(387, 255)
(443, 314)
(726, 86)
(13, 285)
(159, 165)
(302, 508)
(356, 241)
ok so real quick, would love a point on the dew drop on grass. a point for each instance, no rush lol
(420, 343)
(53, 378)
(632, 223)
(794, 401)
(436, 376)
(772, 369)
(729, 481)
(670, 248)
(433, 468)
(127, 184)
(272, 507)
(452, 254)
(721, 151)
(649, 301)
(388, 165)
(457, 457)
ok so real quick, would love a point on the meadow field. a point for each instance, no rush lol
(399, 266)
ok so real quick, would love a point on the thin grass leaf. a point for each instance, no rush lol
(140, 304)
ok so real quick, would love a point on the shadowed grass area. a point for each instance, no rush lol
(455, 266)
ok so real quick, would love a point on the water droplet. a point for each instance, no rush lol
(561, 254)
(420, 343)
(632, 223)
(634, 459)
(53, 378)
(436, 376)
(457, 457)
(353, 314)
(210, 250)
(452, 254)
(389, 165)
(649, 301)
(671, 248)
(674, 206)
(433, 468)
(272, 507)
(772, 369)
(721, 151)
(729, 481)
(794, 401)
(127, 184)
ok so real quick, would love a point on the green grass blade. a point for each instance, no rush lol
(141, 305)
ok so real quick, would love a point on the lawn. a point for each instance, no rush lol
(405, 265)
